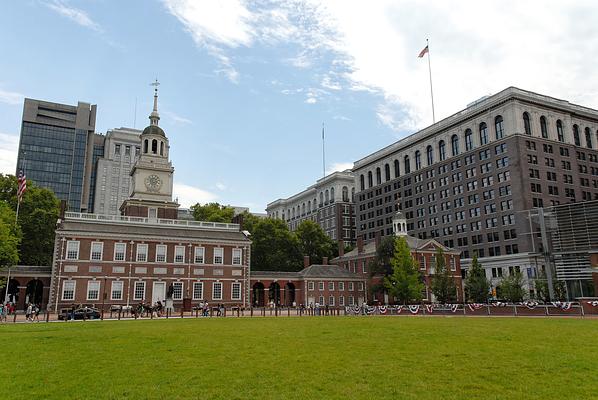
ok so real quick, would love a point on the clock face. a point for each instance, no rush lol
(153, 183)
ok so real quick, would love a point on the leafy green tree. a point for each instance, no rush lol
(443, 283)
(381, 264)
(511, 287)
(10, 236)
(404, 283)
(560, 290)
(274, 247)
(314, 242)
(249, 221)
(541, 285)
(213, 212)
(38, 214)
(477, 286)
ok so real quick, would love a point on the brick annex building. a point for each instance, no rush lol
(146, 254)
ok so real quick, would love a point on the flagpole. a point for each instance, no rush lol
(323, 153)
(7, 283)
(431, 90)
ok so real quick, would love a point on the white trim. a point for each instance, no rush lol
(200, 284)
(122, 286)
(240, 256)
(74, 289)
(174, 285)
(203, 255)
(165, 253)
(135, 297)
(214, 291)
(94, 283)
(138, 253)
(220, 249)
(124, 252)
(232, 290)
(77, 245)
(91, 252)
(178, 249)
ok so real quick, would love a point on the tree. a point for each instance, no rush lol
(249, 221)
(541, 284)
(511, 287)
(10, 237)
(274, 247)
(477, 286)
(314, 242)
(443, 283)
(213, 212)
(381, 265)
(38, 214)
(404, 283)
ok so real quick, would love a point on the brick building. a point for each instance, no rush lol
(423, 251)
(26, 284)
(147, 254)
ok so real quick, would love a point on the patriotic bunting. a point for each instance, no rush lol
(475, 306)
(414, 309)
(593, 303)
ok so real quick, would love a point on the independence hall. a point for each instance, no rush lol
(146, 254)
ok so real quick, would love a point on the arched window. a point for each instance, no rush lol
(527, 125)
(293, 212)
(483, 134)
(309, 206)
(442, 150)
(430, 155)
(353, 195)
(499, 127)
(303, 209)
(418, 160)
(321, 199)
(576, 135)
(161, 148)
(332, 195)
(559, 131)
(345, 193)
(370, 179)
(326, 197)
(145, 146)
(455, 145)
(588, 138)
(468, 140)
(407, 165)
(397, 169)
(154, 146)
(387, 172)
(543, 127)
(378, 176)
(362, 182)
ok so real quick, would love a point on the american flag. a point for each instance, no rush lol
(22, 186)
(423, 52)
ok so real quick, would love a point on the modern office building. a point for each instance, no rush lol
(57, 148)
(112, 178)
(329, 202)
(468, 179)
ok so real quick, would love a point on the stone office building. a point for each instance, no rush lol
(466, 179)
(147, 254)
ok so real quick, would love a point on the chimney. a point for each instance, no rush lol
(360, 244)
(341, 248)
(377, 239)
(305, 261)
(324, 260)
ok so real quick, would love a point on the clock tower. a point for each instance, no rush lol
(151, 176)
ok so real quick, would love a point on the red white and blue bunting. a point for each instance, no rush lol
(563, 305)
(475, 306)
(593, 303)
(530, 304)
(383, 309)
(414, 309)
(430, 308)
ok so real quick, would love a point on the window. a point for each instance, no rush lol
(576, 135)
(68, 290)
(96, 251)
(139, 291)
(386, 172)
(341, 286)
(217, 291)
(559, 131)
(362, 182)
(117, 290)
(117, 149)
(397, 169)
(218, 255)
(468, 140)
(588, 138)
(429, 155)
(498, 127)
(330, 285)
(237, 256)
(331, 300)
(351, 286)
(72, 250)
(442, 150)
(370, 183)
(177, 290)
(161, 253)
(527, 126)
(378, 176)
(310, 286)
(407, 164)
(543, 127)
(483, 134)
(235, 291)
(142, 252)
(351, 300)
(93, 290)
(119, 251)
(418, 160)
(455, 145)
(199, 255)
(341, 301)
(179, 254)
(360, 286)
(197, 290)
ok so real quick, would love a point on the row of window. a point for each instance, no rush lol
(139, 291)
(527, 127)
(332, 301)
(120, 250)
(331, 286)
(326, 197)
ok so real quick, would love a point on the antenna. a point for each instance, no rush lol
(155, 84)
(323, 153)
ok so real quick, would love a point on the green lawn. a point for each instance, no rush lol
(302, 358)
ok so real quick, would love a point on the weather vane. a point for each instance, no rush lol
(155, 84)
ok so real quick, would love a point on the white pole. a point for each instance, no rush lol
(431, 90)
(7, 283)
(323, 153)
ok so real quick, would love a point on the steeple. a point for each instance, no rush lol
(399, 224)
(154, 116)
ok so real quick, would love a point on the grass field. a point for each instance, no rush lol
(302, 358)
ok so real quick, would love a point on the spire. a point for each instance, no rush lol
(154, 116)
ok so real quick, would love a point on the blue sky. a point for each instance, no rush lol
(245, 86)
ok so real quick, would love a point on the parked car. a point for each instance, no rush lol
(80, 313)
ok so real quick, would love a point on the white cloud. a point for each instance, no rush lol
(189, 195)
(339, 166)
(9, 146)
(220, 186)
(74, 14)
(177, 119)
(12, 98)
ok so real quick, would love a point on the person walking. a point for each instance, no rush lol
(29, 312)
(36, 310)
(3, 308)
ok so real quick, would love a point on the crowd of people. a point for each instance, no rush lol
(9, 308)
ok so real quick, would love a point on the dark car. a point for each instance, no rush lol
(80, 313)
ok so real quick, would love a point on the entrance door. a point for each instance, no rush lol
(159, 292)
